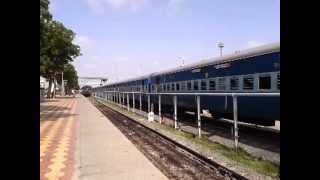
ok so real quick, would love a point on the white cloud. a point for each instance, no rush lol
(85, 43)
(100, 6)
(52, 7)
(90, 66)
(254, 43)
(173, 7)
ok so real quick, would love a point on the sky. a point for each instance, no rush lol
(121, 39)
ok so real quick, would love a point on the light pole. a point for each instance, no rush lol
(220, 45)
(62, 85)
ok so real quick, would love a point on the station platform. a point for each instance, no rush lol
(78, 142)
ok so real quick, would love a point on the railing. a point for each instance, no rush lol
(118, 97)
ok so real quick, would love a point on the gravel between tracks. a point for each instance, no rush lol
(234, 166)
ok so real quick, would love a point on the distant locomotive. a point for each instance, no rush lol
(253, 70)
(86, 91)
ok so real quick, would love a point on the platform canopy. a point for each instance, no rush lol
(92, 81)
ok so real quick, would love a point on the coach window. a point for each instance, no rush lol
(264, 82)
(177, 86)
(189, 85)
(222, 83)
(183, 86)
(203, 84)
(248, 83)
(168, 87)
(234, 83)
(212, 84)
(278, 81)
(172, 87)
(195, 85)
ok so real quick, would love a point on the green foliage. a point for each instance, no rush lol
(56, 48)
(70, 75)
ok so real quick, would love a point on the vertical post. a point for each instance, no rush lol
(199, 117)
(175, 111)
(235, 119)
(120, 99)
(123, 100)
(148, 103)
(160, 118)
(133, 103)
(128, 102)
(226, 103)
(140, 102)
(62, 85)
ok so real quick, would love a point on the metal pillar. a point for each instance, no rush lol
(121, 99)
(133, 103)
(122, 94)
(199, 117)
(128, 103)
(175, 112)
(140, 103)
(148, 103)
(235, 119)
(160, 118)
(226, 103)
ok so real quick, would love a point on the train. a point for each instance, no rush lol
(86, 91)
(253, 70)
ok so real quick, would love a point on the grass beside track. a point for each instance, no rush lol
(240, 156)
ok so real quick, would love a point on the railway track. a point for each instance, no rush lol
(258, 138)
(173, 159)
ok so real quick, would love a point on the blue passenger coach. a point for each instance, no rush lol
(252, 70)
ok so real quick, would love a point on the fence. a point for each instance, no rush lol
(118, 97)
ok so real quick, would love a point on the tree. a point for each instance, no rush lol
(45, 18)
(70, 74)
(56, 46)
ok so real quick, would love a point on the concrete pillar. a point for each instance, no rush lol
(128, 102)
(160, 118)
(148, 103)
(175, 111)
(133, 103)
(235, 119)
(140, 102)
(198, 116)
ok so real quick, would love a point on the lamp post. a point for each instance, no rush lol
(220, 45)
(62, 85)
